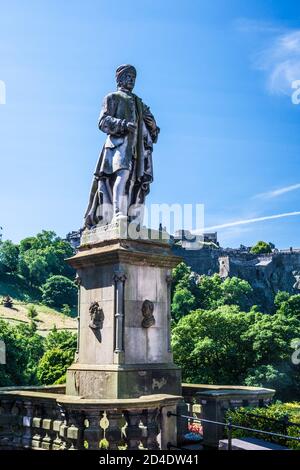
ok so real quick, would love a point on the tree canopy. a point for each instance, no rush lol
(261, 247)
(229, 340)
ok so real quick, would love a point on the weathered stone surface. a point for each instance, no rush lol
(267, 274)
(90, 381)
(128, 360)
(216, 399)
(250, 444)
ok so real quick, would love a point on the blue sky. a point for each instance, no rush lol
(217, 76)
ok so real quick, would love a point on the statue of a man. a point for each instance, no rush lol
(124, 169)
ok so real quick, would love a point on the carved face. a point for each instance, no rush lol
(147, 311)
(147, 308)
(97, 316)
(127, 80)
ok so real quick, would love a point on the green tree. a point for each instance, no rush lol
(271, 337)
(44, 256)
(261, 247)
(227, 346)
(190, 291)
(66, 310)
(210, 345)
(290, 307)
(210, 294)
(213, 292)
(34, 267)
(183, 302)
(281, 297)
(59, 290)
(60, 349)
(182, 274)
(9, 256)
(32, 312)
(24, 348)
(62, 339)
(236, 291)
(279, 378)
(53, 366)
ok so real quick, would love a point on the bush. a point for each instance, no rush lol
(53, 366)
(59, 290)
(66, 310)
(279, 378)
(264, 419)
(24, 348)
(62, 339)
(32, 312)
(211, 347)
(9, 256)
(44, 256)
(261, 248)
(183, 302)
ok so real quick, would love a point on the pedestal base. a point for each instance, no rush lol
(123, 381)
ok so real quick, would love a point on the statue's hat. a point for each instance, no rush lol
(124, 68)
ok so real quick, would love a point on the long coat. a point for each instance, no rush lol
(123, 149)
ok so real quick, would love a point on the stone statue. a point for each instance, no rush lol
(97, 319)
(147, 311)
(124, 169)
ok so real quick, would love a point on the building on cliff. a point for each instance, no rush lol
(267, 273)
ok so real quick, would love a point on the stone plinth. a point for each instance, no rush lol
(124, 332)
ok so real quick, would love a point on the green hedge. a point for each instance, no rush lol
(285, 413)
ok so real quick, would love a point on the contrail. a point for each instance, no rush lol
(247, 221)
(278, 192)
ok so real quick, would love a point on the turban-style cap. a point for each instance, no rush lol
(124, 68)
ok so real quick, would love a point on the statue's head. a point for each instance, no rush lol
(125, 76)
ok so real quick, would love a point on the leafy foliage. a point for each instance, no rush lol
(28, 265)
(291, 306)
(53, 366)
(44, 256)
(66, 310)
(32, 312)
(59, 290)
(261, 247)
(183, 302)
(59, 355)
(229, 340)
(32, 359)
(217, 350)
(24, 348)
(276, 418)
(9, 255)
(61, 339)
(206, 292)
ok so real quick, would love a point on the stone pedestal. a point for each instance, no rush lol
(124, 324)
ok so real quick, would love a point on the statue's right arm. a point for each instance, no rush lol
(107, 122)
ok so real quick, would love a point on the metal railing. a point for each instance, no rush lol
(229, 427)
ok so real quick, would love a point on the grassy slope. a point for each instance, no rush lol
(47, 317)
(16, 287)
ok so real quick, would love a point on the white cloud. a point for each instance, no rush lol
(277, 192)
(281, 61)
(246, 25)
(279, 56)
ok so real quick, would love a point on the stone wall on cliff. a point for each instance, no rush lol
(267, 274)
